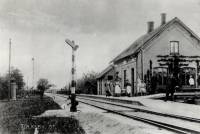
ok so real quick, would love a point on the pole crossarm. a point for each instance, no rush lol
(72, 44)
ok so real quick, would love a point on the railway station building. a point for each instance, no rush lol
(140, 60)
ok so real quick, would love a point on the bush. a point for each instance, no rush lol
(87, 84)
(42, 85)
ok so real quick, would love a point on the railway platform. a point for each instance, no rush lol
(152, 102)
(97, 120)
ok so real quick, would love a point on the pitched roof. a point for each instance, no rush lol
(104, 71)
(140, 42)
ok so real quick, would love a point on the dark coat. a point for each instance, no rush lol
(172, 83)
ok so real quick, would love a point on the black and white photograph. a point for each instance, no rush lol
(99, 66)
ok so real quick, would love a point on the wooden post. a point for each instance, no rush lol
(98, 87)
(101, 87)
(135, 91)
(196, 79)
(142, 65)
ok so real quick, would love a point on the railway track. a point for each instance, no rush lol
(177, 124)
(144, 109)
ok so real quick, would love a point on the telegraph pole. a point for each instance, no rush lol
(9, 87)
(74, 103)
(33, 72)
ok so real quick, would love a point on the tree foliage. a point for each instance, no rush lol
(3, 87)
(17, 75)
(42, 85)
(88, 83)
(175, 62)
(18, 78)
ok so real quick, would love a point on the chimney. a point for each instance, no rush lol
(163, 18)
(150, 25)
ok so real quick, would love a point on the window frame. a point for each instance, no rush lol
(173, 49)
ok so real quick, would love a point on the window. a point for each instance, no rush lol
(110, 77)
(174, 47)
(161, 75)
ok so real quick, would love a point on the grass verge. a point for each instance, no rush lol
(16, 116)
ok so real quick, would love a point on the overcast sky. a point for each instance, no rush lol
(102, 29)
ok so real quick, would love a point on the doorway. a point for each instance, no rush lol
(132, 80)
(185, 75)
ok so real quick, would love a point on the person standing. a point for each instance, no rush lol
(191, 81)
(153, 84)
(113, 88)
(117, 89)
(170, 87)
(128, 89)
(173, 85)
(107, 85)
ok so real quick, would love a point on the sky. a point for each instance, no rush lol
(101, 28)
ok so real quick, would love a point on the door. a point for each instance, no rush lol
(132, 80)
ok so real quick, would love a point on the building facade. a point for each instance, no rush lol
(107, 74)
(139, 62)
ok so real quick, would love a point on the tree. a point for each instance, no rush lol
(3, 88)
(42, 85)
(88, 83)
(4, 82)
(18, 78)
